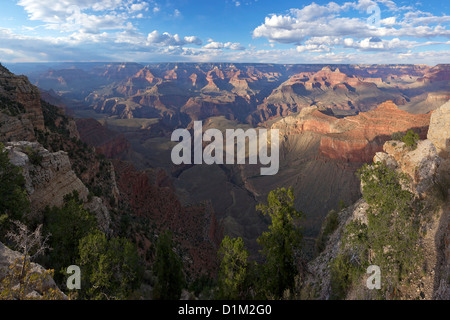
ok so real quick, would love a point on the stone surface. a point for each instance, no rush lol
(439, 132)
(420, 164)
(102, 214)
(8, 257)
(49, 181)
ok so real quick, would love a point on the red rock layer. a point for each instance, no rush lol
(151, 195)
(107, 142)
(358, 138)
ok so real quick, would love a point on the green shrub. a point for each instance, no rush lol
(330, 224)
(67, 226)
(344, 272)
(392, 231)
(14, 201)
(397, 136)
(111, 268)
(34, 156)
(410, 139)
(168, 269)
(233, 268)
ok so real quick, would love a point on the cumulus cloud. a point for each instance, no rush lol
(219, 45)
(91, 16)
(330, 32)
(166, 39)
(311, 27)
(374, 44)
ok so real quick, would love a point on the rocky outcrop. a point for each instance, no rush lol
(8, 257)
(49, 176)
(18, 97)
(102, 214)
(318, 281)
(428, 180)
(421, 164)
(439, 132)
(16, 129)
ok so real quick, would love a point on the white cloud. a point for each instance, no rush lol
(219, 45)
(234, 46)
(374, 44)
(166, 39)
(138, 6)
(326, 32)
(311, 28)
(90, 16)
(390, 21)
(214, 45)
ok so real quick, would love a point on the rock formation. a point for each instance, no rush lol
(151, 196)
(8, 257)
(355, 138)
(49, 178)
(427, 180)
(439, 131)
(18, 96)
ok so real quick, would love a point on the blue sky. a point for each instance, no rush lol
(359, 31)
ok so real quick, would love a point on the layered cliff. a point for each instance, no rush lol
(355, 138)
(18, 97)
(48, 175)
(345, 93)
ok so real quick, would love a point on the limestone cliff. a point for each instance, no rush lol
(18, 97)
(50, 172)
(49, 178)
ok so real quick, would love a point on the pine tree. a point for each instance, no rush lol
(282, 243)
(233, 269)
(13, 198)
(168, 269)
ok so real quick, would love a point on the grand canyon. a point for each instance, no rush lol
(104, 130)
